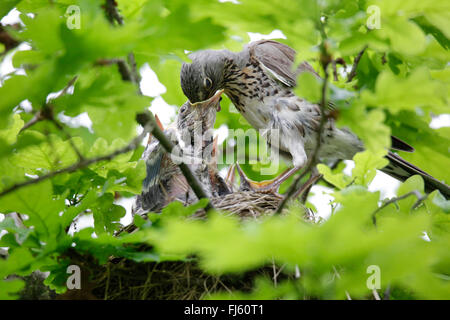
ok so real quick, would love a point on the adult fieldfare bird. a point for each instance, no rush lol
(193, 139)
(259, 81)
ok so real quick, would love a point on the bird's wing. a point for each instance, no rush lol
(275, 57)
(278, 60)
(153, 165)
(178, 188)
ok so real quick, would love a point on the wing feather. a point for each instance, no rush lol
(278, 59)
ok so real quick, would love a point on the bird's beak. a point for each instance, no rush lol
(213, 101)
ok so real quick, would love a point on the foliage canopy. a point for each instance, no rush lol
(402, 81)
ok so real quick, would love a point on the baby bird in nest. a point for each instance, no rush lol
(192, 135)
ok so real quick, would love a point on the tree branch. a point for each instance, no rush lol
(37, 117)
(47, 112)
(68, 136)
(335, 74)
(325, 61)
(82, 163)
(112, 14)
(168, 147)
(129, 72)
(7, 40)
(352, 73)
(416, 193)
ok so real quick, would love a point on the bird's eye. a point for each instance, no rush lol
(207, 83)
(183, 108)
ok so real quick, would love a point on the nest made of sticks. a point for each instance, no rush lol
(174, 280)
(248, 204)
(127, 279)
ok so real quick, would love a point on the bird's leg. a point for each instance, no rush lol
(276, 182)
(272, 186)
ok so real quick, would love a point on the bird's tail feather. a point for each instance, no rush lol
(402, 170)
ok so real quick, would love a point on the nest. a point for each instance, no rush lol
(167, 281)
(247, 204)
(125, 279)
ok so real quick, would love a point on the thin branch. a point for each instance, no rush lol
(306, 187)
(325, 59)
(352, 73)
(321, 179)
(82, 163)
(129, 73)
(37, 117)
(112, 14)
(168, 146)
(134, 71)
(147, 120)
(66, 88)
(335, 74)
(416, 193)
(128, 70)
(68, 136)
(107, 62)
(46, 112)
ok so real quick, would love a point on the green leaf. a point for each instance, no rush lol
(6, 6)
(366, 165)
(43, 31)
(405, 36)
(107, 214)
(368, 126)
(9, 225)
(440, 18)
(10, 288)
(111, 103)
(49, 155)
(71, 212)
(38, 203)
(394, 92)
(309, 87)
(336, 177)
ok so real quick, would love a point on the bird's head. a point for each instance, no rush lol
(201, 79)
(198, 119)
(200, 113)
